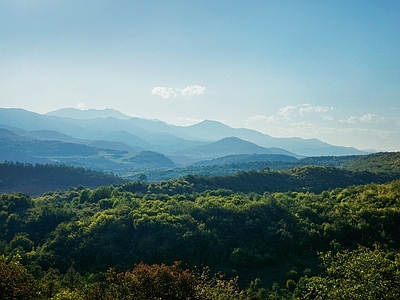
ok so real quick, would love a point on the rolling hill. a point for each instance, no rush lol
(38, 179)
(97, 155)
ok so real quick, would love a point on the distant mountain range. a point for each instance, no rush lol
(108, 139)
(74, 113)
(244, 158)
(228, 146)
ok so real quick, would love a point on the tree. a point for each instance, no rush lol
(165, 282)
(359, 274)
(15, 281)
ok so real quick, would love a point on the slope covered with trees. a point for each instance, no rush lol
(387, 162)
(67, 240)
(265, 230)
(37, 179)
(383, 162)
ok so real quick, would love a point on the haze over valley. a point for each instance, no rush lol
(204, 150)
(111, 141)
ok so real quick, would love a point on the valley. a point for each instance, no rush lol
(97, 205)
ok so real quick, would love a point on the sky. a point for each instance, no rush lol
(311, 69)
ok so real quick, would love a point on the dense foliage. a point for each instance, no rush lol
(384, 162)
(144, 282)
(67, 240)
(37, 179)
(358, 274)
(298, 175)
(234, 163)
(269, 228)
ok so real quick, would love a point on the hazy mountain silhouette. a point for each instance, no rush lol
(213, 130)
(74, 113)
(242, 158)
(227, 146)
(154, 135)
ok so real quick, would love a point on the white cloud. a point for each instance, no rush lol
(286, 111)
(292, 112)
(379, 133)
(81, 105)
(371, 118)
(193, 90)
(310, 109)
(304, 125)
(364, 131)
(327, 118)
(273, 120)
(368, 118)
(350, 120)
(164, 92)
(257, 118)
(169, 92)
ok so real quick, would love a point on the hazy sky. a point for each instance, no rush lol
(323, 69)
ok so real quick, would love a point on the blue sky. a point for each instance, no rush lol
(313, 69)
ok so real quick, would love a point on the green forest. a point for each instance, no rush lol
(38, 179)
(312, 232)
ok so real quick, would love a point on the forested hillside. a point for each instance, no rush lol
(234, 163)
(37, 179)
(311, 232)
(383, 162)
(64, 242)
(313, 179)
(310, 174)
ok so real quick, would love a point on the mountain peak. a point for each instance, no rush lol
(205, 124)
(91, 113)
(208, 121)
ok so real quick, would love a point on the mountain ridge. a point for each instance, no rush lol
(228, 146)
(91, 113)
(163, 137)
